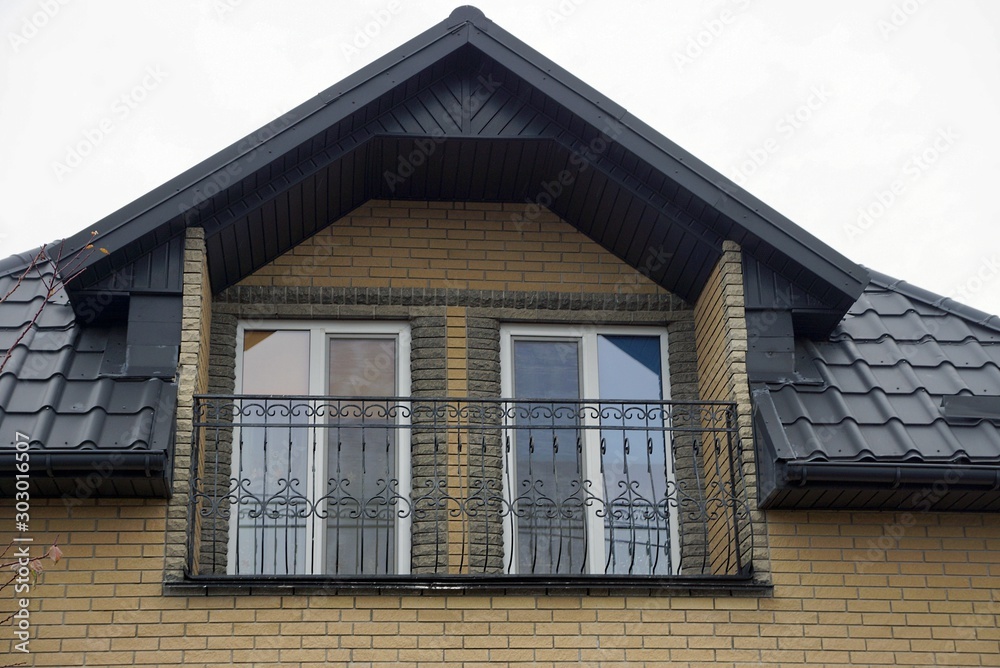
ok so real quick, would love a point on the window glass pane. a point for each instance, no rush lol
(634, 455)
(275, 362)
(363, 367)
(362, 483)
(629, 367)
(547, 369)
(272, 458)
(273, 487)
(548, 494)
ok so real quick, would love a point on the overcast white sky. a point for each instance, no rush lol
(871, 123)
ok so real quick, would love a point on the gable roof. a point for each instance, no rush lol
(908, 385)
(465, 111)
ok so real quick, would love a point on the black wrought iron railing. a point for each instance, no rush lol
(287, 486)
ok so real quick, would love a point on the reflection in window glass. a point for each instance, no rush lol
(317, 476)
(550, 527)
(273, 458)
(634, 459)
(275, 362)
(361, 471)
(592, 459)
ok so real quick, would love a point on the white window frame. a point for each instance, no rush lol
(320, 332)
(589, 389)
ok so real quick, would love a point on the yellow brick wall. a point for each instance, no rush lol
(461, 245)
(850, 589)
(720, 345)
(710, 324)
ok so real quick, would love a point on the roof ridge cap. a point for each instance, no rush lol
(946, 304)
(468, 14)
(18, 262)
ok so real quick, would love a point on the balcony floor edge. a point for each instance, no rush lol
(431, 585)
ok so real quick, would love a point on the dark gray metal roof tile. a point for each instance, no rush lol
(903, 378)
(885, 371)
(85, 365)
(887, 302)
(93, 339)
(948, 379)
(84, 431)
(944, 304)
(27, 364)
(52, 338)
(831, 406)
(80, 396)
(54, 389)
(30, 395)
(888, 352)
(128, 397)
(859, 377)
(18, 314)
(910, 327)
(850, 442)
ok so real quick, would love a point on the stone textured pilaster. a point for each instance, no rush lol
(428, 379)
(192, 378)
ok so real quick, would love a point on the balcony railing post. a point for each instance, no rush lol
(194, 492)
(734, 472)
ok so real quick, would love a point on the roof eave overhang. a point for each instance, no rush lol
(178, 199)
(786, 480)
(166, 211)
